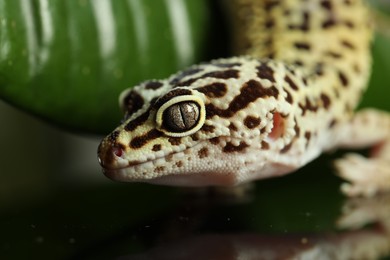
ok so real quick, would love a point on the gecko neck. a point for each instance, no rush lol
(312, 36)
(322, 38)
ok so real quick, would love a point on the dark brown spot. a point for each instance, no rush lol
(286, 148)
(302, 46)
(298, 63)
(291, 82)
(307, 106)
(251, 91)
(153, 85)
(291, 69)
(226, 74)
(347, 2)
(343, 79)
(319, 69)
(183, 74)
(179, 164)
(296, 128)
(133, 124)
(139, 141)
(169, 157)
(326, 4)
(333, 54)
(132, 103)
(195, 137)
(265, 72)
(304, 80)
(214, 140)
(230, 148)
(208, 128)
(264, 145)
(270, 55)
(329, 23)
(214, 90)
(174, 140)
(133, 163)
(308, 136)
(269, 5)
(159, 169)
(171, 94)
(289, 98)
(204, 152)
(233, 127)
(332, 123)
(186, 83)
(348, 44)
(325, 100)
(252, 122)
(156, 147)
(349, 24)
(270, 23)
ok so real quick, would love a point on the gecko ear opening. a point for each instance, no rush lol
(278, 127)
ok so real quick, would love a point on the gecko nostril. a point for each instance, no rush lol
(117, 151)
(111, 155)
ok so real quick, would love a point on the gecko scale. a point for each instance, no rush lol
(290, 96)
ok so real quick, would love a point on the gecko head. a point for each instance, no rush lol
(163, 141)
(165, 136)
(192, 129)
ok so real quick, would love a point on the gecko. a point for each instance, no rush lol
(289, 94)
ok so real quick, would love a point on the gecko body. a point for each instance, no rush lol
(290, 96)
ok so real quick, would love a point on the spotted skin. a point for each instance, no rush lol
(290, 96)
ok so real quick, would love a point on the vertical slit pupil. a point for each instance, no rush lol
(181, 116)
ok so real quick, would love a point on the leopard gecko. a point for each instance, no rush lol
(289, 95)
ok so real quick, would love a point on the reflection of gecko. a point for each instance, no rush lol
(261, 115)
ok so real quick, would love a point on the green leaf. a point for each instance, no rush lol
(67, 61)
(378, 92)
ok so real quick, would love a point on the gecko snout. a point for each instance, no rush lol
(111, 156)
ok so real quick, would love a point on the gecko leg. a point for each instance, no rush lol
(366, 176)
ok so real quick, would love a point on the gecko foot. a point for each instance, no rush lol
(358, 212)
(365, 176)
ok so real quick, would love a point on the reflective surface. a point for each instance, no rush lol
(68, 61)
(300, 216)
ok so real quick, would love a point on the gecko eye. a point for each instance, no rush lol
(181, 116)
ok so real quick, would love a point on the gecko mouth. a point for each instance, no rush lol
(188, 178)
(166, 170)
(116, 167)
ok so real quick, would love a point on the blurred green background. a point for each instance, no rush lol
(54, 201)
